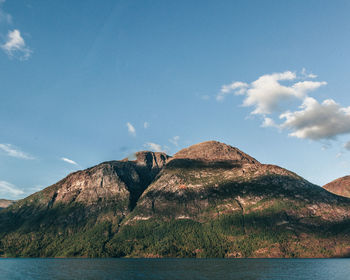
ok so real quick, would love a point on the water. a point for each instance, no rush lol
(128, 269)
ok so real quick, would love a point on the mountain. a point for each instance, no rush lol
(340, 186)
(208, 200)
(4, 203)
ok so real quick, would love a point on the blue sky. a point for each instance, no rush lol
(89, 81)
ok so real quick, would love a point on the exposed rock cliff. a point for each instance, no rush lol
(119, 181)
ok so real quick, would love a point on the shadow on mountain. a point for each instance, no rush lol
(202, 164)
(267, 187)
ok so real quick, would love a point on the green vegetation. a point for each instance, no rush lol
(231, 235)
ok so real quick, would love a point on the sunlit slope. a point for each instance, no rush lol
(340, 186)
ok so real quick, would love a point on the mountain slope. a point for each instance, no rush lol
(340, 186)
(208, 200)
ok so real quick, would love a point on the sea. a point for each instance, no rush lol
(128, 269)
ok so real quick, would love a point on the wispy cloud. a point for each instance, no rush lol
(175, 140)
(69, 160)
(146, 125)
(131, 129)
(236, 88)
(268, 122)
(15, 46)
(306, 74)
(154, 147)
(8, 190)
(339, 155)
(347, 146)
(12, 151)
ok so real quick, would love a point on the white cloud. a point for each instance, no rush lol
(268, 122)
(175, 140)
(318, 121)
(313, 120)
(154, 147)
(7, 189)
(69, 161)
(237, 88)
(15, 46)
(266, 94)
(302, 88)
(14, 152)
(131, 129)
(146, 125)
(347, 146)
(4, 17)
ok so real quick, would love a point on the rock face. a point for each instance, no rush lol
(340, 186)
(125, 180)
(4, 203)
(208, 200)
(114, 180)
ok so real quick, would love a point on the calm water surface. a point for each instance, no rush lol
(175, 269)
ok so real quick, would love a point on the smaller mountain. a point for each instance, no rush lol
(340, 186)
(4, 203)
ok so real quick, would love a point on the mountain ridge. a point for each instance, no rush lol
(208, 200)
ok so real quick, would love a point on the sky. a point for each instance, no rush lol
(82, 82)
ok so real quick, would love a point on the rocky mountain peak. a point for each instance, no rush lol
(151, 159)
(340, 186)
(214, 151)
(148, 159)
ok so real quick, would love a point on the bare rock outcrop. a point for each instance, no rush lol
(118, 182)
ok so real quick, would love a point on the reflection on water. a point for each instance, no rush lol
(175, 269)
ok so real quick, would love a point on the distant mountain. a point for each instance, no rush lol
(340, 186)
(4, 203)
(208, 200)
